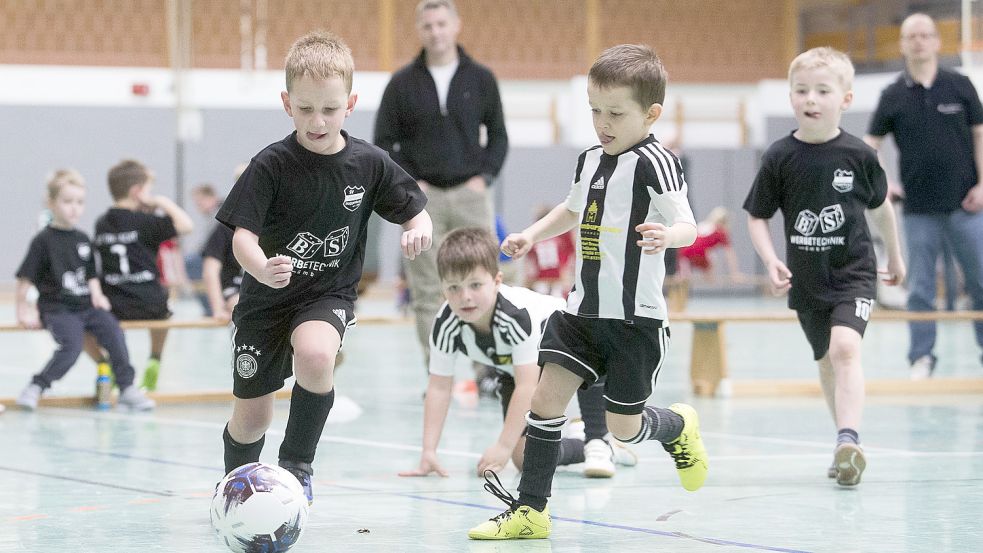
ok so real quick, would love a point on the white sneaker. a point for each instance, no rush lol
(575, 430)
(623, 455)
(28, 398)
(598, 459)
(134, 398)
(923, 367)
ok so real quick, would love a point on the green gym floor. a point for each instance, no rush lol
(80, 480)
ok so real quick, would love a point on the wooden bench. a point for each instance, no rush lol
(708, 359)
(172, 397)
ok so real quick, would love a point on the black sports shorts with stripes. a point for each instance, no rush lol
(262, 358)
(818, 324)
(630, 354)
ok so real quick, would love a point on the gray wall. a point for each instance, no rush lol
(93, 139)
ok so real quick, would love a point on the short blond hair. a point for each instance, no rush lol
(321, 55)
(62, 178)
(636, 66)
(824, 56)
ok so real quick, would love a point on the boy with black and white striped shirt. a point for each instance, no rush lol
(628, 202)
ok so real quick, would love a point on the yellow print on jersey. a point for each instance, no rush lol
(590, 241)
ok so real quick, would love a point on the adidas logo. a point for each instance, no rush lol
(598, 184)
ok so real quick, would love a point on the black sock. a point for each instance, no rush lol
(659, 424)
(237, 454)
(308, 411)
(571, 452)
(592, 408)
(847, 436)
(541, 455)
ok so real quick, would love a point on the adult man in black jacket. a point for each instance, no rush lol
(430, 122)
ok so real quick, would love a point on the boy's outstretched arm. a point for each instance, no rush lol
(435, 406)
(180, 218)
(884, 219)
(498, 454)
(274, 271)
(417, 235)
(778, 274)
(27, 312)
(556, 222)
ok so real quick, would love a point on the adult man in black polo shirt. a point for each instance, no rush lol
(936, 118)
(430, 121)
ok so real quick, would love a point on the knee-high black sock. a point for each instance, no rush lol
(592, 410)
(658, 424)
(237, 454)
(571, 452)
(308, 411)
(541, 455)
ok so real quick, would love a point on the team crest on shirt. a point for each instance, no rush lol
(84, 251)
(353, 197)
(843, 180)
(246, 365)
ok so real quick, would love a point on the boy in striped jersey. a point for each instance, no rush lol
(500, 326)
(628, 203)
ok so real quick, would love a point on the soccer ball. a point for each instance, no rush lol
(259, 508)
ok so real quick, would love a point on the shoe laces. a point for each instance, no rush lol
(498, 490)
(680, 454)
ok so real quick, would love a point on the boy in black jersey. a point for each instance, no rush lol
(61, 264)
(221, 273)
(628, 202)
(824, 180)
(128, 237)
(300, 213)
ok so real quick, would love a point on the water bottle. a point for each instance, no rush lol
(104, 387)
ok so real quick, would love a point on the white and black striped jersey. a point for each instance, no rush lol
(517, 327)
(614, 194)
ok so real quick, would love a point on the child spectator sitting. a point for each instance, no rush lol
(61, 264)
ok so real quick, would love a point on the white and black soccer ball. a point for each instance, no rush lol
(259, 508)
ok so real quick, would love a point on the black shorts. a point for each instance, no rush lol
(262, 358)
(629, 354)
(819, 323)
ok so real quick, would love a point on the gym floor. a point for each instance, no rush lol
(76, 479)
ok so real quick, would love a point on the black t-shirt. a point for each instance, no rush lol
(60, 263)
(315, 209)
(127, 242)
(933, 128)
(822, 191)
(219, 246)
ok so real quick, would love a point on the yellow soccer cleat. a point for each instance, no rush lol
(687, 450)
(519, 522)
(522, 523)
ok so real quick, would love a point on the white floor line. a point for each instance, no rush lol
(879, 451)
(805, 443)
(189, 423)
